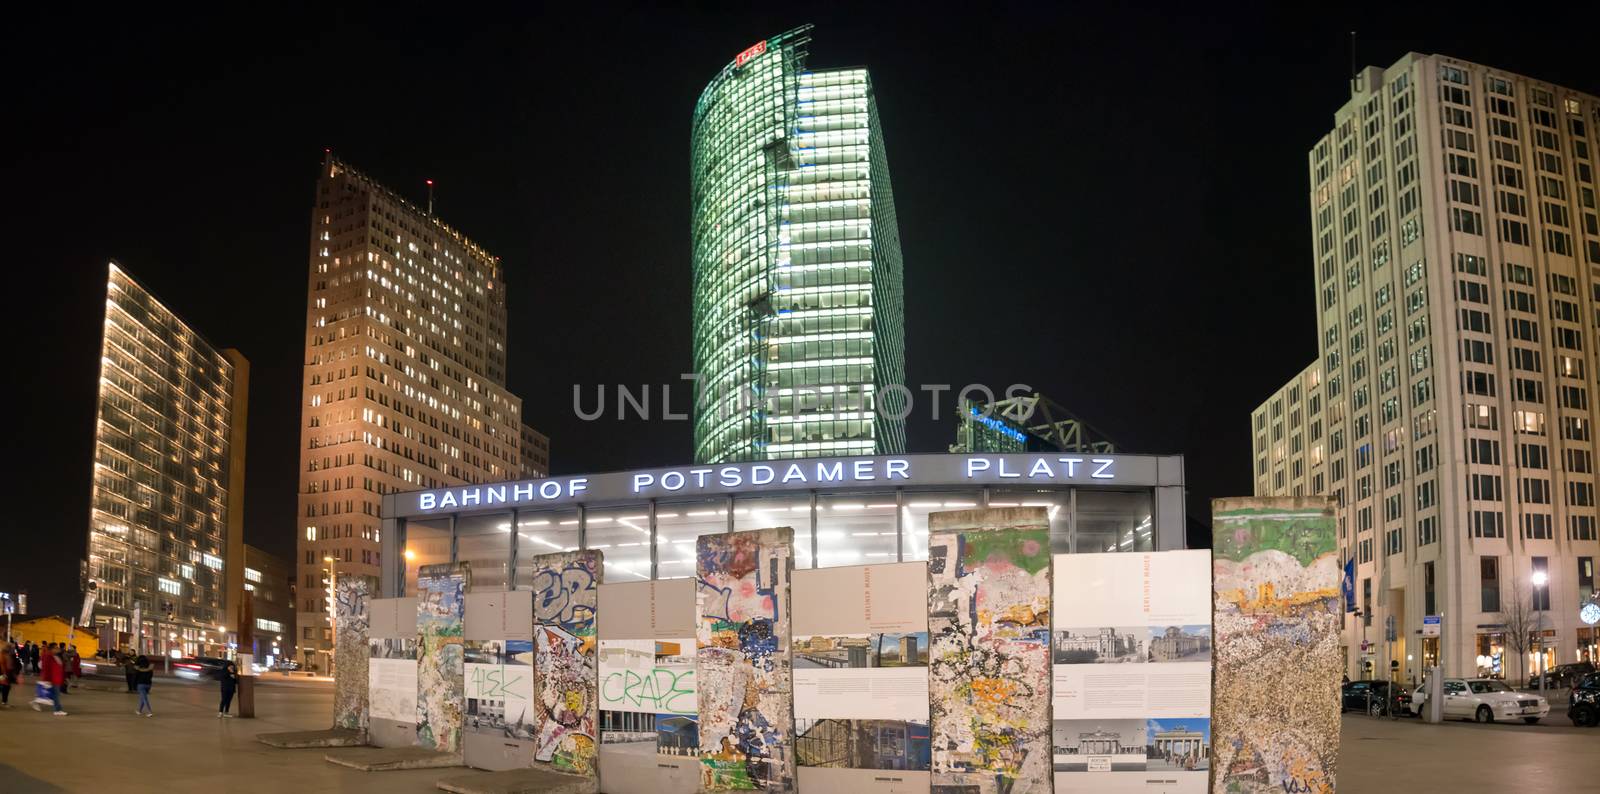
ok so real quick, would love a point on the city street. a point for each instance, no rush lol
(1381, 755)
(102, 746)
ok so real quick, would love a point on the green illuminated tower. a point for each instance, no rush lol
(799, 330)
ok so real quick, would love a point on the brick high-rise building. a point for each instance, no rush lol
(405, 369)
(1453, 408)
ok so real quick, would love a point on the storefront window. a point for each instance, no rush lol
(1114, 521)
(1058, 508)
(484, 543)
(1544, 653)
(427, 543)
(1586, 647)
(677, 526)
(914, 516)
(543, 533)
(623, 535)
(780, 511)
(855, 529)
(1491, 655)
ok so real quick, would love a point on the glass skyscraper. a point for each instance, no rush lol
(166, 508)
(799, 337)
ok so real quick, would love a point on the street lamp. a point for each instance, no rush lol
(1539, 579)
(333, 627)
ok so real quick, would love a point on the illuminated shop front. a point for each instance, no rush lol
(844, 511)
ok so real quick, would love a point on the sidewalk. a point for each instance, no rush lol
(102, 746)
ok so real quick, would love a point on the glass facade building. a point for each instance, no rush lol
(798, 308)
(164, 518)
(844, 511)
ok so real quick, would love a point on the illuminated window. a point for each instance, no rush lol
(856, 530)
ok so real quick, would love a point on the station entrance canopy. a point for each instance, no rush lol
(844, 510)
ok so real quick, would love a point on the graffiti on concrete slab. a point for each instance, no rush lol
(566, 665)
(742, 660)
(989, 652)
(441, 609)
(1277, 618)
(350, 653)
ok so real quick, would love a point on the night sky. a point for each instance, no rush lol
(1111, 209)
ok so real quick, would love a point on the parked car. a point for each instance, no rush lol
(1369, 696)
(1562, 675)
(1485, 700)
(1585, 706)
(196, 668)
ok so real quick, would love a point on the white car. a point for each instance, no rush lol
(1484, 700)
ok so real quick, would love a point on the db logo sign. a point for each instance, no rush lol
(750, 54)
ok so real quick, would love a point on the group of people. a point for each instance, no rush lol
(61, 663)
(56, 665)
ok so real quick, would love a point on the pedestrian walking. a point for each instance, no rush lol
(130, 671)
(10, 672)
(143, 677)
(51, 676)
(32, 657)
(72, 667)
(230, 682)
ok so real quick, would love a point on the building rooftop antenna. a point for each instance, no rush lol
(430, 196)
(1352, 60)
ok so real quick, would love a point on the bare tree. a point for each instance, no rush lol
(1522, 623)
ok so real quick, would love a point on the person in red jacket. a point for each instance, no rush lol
(51, 674)
(72, 667)
(10, 672)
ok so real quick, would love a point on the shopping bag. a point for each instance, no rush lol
(42, 690)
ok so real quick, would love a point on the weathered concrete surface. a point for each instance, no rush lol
(521, 781)
(383, 759)
(300, 740)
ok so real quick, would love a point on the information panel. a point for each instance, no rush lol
(392, 672)
(499, 725)
(1131, 659)
(649, 714)
(861, 678)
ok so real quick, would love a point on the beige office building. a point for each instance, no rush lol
(535, 454)
(405, 369)
(270, 582)
(166, 508)
(1453, 408)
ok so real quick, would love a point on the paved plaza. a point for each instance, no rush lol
(102, 747)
